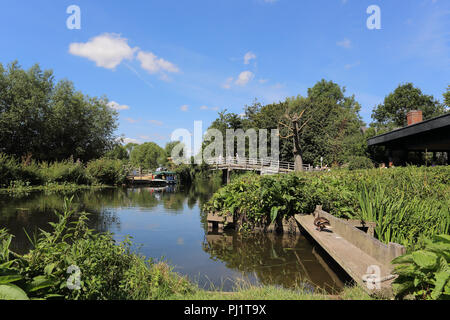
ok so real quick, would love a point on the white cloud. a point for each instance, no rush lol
(352, 65)
(156, 122)
(114, 105)
(184, 108)
(346, 43)
(228, 82)
(131, 120)
(152, 64)
(248, 57)
(244, 78)
(130, 140)
(262, 81)
(107, 50)
(209, 108)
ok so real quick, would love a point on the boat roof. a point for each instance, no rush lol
(164, 172)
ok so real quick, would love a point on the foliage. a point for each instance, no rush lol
(65, 171)
(406, 97)
(425, 273)
(119, 152)
(29, 173)
(332, 131)
(447, 97)
(356, 163)
(148, 156)
(107, 171)
(108, 270)
(413, 206)
(51, 121)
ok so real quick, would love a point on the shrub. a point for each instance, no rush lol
(357, 163)
(425, 273)
(107, 171)
(9, 170)
(106, 270)
(408, 204)
(65, 171)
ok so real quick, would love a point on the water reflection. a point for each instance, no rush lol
(285, 260)
(168, 222)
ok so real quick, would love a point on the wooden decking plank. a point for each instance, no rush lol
(352, 259)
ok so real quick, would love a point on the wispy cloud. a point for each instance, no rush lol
(352, 65)
(244, 78)
(130, 140)
(248, 57)
(116, 106)
(209, 108)
(131, 120)
(346, 43)
(152, 64)
(156, 122)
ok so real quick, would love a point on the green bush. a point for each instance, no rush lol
(107, 171)
(414, 206)
(64, 172)
(106, 270)
(357, 163)
(425, 273)
(9, 170)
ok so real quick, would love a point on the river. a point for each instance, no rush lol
(168, 224)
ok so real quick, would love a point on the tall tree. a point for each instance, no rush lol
(294, 122)
(406, 97)
(51, 122)
(148, 156)
(447, 97)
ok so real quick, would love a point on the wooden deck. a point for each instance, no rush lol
(358, 263)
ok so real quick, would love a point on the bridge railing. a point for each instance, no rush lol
(254, 163)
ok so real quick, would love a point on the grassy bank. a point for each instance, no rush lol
(28, 174)
(408, 204)
(110, 271)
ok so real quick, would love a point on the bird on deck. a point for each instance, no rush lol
(321, 223)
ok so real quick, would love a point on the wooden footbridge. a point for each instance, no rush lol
(262, 166)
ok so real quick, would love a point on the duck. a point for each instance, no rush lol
(321, 223)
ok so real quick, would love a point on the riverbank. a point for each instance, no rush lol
(21, 188)
(103, 269)
(408, 204)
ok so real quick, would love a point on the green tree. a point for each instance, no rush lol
(51, 121)
(119, 152)
(148, 156)
(447, 97)
(392, 113)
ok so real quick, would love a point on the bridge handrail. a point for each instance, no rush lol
(254, 162)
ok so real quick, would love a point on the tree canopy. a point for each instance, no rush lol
(333, 130)
(406, 97)
(51, 121)
(148, 156)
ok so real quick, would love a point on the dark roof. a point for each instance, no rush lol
(432, 134)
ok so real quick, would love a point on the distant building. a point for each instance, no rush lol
(431, 135)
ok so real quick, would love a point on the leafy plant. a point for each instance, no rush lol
(425, 273)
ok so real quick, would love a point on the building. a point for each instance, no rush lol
(431, 135)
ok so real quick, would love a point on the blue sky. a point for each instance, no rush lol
(167, 63)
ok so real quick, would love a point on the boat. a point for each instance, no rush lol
(161, 174)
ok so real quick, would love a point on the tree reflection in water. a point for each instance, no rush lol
(284, 260)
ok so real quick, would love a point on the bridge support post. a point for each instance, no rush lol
(226, 176)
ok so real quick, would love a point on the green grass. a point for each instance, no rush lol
(251, 292)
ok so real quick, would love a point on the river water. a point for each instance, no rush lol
(168, 224)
